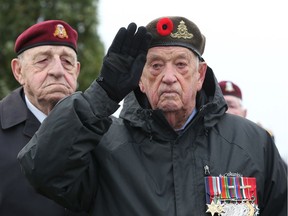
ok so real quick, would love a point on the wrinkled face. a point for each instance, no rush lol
(171, 78)
(235, 106)
(47, 74)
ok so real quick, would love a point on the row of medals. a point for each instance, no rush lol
(232, 208)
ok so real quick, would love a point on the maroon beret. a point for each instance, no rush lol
(50, 32)
(230, 88)
(176, 31)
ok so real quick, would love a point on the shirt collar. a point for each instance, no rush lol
(38, 114)
(188, 120)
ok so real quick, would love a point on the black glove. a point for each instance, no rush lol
(122, 66)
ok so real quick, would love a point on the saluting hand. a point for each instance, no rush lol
(122, 66)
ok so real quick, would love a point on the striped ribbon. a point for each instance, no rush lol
(230, 188)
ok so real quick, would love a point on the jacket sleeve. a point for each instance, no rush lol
(275, 198)
(59, 161)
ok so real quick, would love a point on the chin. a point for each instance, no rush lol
(170, 108)
(56, 96)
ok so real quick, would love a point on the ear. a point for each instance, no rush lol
(141, 86)
(202, 73)
(16, 69)
(78, 69)
(245, 113)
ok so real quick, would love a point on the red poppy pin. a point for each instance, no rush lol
(164, 26)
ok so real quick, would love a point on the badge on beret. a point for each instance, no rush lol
(60, 31)
(229, 87)
(182, 32)
(231, 195)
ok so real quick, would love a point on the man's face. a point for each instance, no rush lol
(171, 78)
(47, 74)
(235, 106)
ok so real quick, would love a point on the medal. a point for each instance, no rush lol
(231, 195)
(238, 209)
(215, 208)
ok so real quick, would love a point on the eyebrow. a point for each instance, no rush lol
(155, 56)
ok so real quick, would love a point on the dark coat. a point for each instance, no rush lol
(138, 165)
(17, 197)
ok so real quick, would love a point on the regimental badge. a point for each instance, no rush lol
(60, 31)
(182, 32)
(231, 195)
(229, 87)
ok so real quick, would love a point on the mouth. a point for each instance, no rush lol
(57, 88)
(168, 92)
(55, 85)
(169, 95)
(51, 84)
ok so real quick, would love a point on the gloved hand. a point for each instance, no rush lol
(122, 66)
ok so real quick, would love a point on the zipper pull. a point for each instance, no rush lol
(206, 170)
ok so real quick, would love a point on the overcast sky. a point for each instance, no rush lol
(246, 42)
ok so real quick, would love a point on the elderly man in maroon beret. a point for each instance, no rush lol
(47, 68)
(233, 96)
(172, 151)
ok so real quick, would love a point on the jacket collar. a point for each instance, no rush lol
(210, 104)
(13, 111)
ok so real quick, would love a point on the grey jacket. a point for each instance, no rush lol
(138, 165)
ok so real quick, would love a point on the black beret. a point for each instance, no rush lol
(176, 31)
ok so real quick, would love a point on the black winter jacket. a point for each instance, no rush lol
(138, 165)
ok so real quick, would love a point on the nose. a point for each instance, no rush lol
(56, 68)
(169, 74)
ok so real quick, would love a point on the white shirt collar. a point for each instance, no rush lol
(38, 114)
(188, 120)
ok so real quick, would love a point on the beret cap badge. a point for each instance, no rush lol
(229, 87)
(60, 31)
(182, 31)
